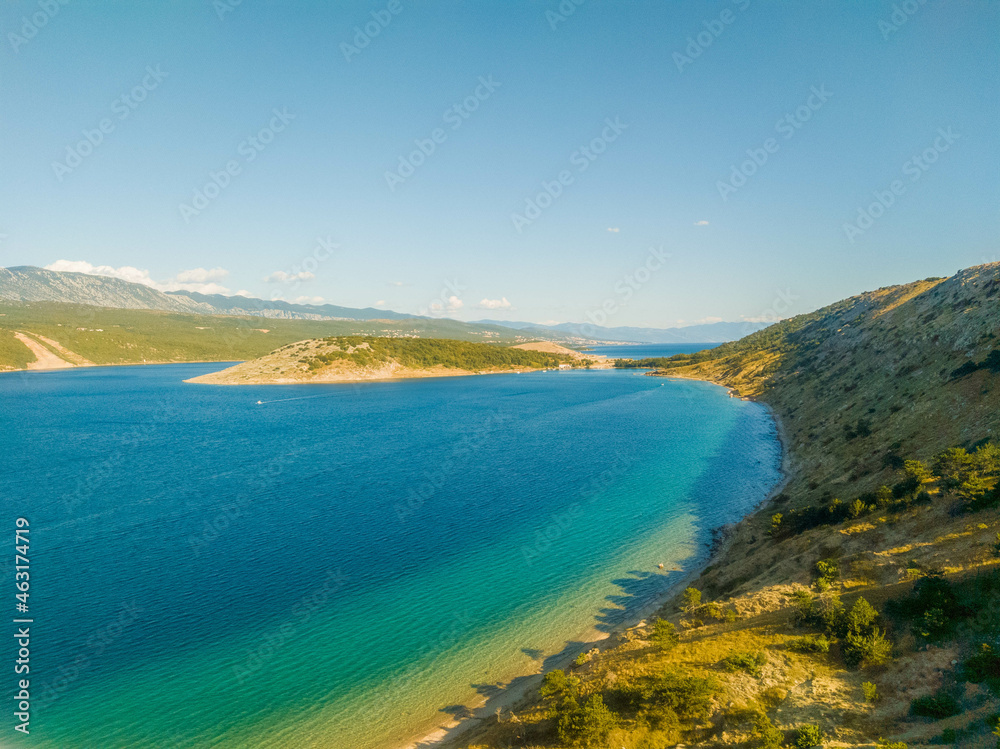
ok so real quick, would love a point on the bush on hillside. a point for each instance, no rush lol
(664, 635)
(808, 735)
(747, 661)
(936, 706)
(587, 725)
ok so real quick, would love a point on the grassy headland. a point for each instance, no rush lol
(128, 336)
(352, 358)
(862, 606)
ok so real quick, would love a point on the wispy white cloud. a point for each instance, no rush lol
(614, 229)
(701, 223)
(452, 304)
(398, 283)
(380, 303)
(201, 280)
(501, 303)
(280, 276)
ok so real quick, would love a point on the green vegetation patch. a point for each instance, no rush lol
(427, 353)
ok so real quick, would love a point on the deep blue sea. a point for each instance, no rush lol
(342, 565)
(650, 350)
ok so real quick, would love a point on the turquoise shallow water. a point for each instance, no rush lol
(344, 566)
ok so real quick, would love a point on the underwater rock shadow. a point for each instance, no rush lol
(638, 592)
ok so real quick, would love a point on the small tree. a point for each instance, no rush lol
(805, 606)
(808, 735)
(588, 725)
(827, 571)
(973, 488)
(883, 497)
(691, 600)
(665, 635)
(953, 466)
(764, 735)
(864, 642)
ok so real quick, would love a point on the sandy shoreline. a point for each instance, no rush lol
(106, 366)
(215, 378)
(517, 693)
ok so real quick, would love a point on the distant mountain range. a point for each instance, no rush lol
(717, 332)
(32, 284)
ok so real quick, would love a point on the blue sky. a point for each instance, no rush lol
(689, 88)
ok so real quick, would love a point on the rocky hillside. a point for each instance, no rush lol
(31, 284)
(905, 370)
(861, 607)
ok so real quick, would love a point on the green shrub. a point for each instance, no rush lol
(886, 744)
(558, 685)
(764, 735)
(691, 600)
(936, 706)
(983, 668)
(688, 696)
(932, 608)
(805, 606)
(827, 571)
(750, 662)
(810, 644)
(856, 509)
(863, 642)
(808, 735)
(665, 635)
(712, 610)
(870, 691)
(587, 725)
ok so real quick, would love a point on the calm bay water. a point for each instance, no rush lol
(343, 566)
(650, 350)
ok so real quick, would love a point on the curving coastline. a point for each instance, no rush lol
(520, 692)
